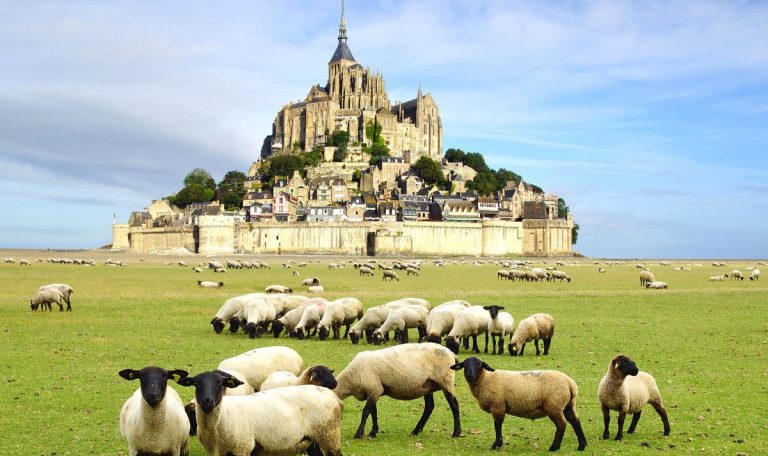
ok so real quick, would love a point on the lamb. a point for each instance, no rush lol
(400, 320)
(65, 290)
(656, 285)
(440, 320)
(402, 372)
(626, 389)
(229, 310)
(559, 275)
(537, 326)
(470, 322)
(287, 420)
(255, 365)
(525, 394)
(220, 270)
(278, 289)
(718, 278)
(737, 275)
(44, 298)
(645, 277)
(601, 270)
(209, 284)
(365, 270)
(313, 313)
(310, 282)
(313, 375)
(257, 314)
(391, 275)
(500, 325)
(755, 275)
(152, 420)
(316, 289)
(342, 311)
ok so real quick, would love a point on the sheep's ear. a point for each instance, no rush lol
(487, 367)
(129, 374)
(177, 374)
(232, 382)
(185, 381)
(331, 370)
(501, 307)
(487, 307)
(458, 366)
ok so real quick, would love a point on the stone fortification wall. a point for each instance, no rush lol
(547, 237)
(144, 240)
(120, 236)
(341, 238)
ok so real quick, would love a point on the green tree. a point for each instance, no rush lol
(377, 151)
(562, 208)
(430, 171)
(502, 176)
(340, 140)
(575, 233)
(232, 201)
(357, 175)
(484, 183)
(475, 161)
(235, 180)
(201, 177)
(454, 155)
(313, 157)
(373, 132)
(192, 193)
(284, 165)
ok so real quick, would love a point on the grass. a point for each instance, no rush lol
(705, 343)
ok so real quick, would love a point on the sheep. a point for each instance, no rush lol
(182, 264)
(559, 275)
(542, 274)
(656, 285)
(365, 271)
(213, 264)
(626, 389)
(601, 270)
(287, 420)
(310, 282)
(257, 314)
(645, 277)
(402, 372)
(737, 275)
(502, 274)
(531, 276)
(287, 322)
(316, 289)
(228, 311)
(525, 394)
(44, 298)
(152, 420)
(371, 319)
(391, 275)
(537, 326)
(197, 269)
(220, 270)
(278, 289)
(342, 311)
(718, 278)
(65, 290)
(412, 271)
(313, 313)
(400, 320)
(313, 375)
(209, 284)
(255, 365)
(441, 318)
(470, 322)
(516, 274)
(285, 302)
(755, 275)
(500, 325)
(24, 262)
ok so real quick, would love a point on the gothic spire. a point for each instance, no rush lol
(342, 26)
(342, 51)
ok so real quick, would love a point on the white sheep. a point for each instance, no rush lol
(209, 284)
(255, 365)
(65, 290)
(228, 311)
(737, 275)
(313, 375)
(537, 326)
(645, 277)
(391, 275)
(626, 389)
(500, 325)
(470, 322)
(285, 302)
(45, 298)
(412, 271)
(441, 318)
(310, 281)
(316, 289)
(402, 372)
(402, 319)
(287, 322)
(278, 289)
(657, 285)
(718, 278)
(541, 273)
(287, 420)
(340, 312)
(197, 269)
(24, 262)
(152, 420)
(371, 319)
(182, 264)
(313, 313)
(365, 270)
(525, 394)
(559, 275)
(256, 316)
(755, 275)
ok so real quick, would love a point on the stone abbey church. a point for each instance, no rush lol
(353, 98)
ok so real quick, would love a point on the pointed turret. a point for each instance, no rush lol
(342, 51)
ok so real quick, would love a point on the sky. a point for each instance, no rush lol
(649, 118)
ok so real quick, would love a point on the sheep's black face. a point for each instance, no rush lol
(322, 376)
(154, 381)
(234, 324)
(354, 337)
(209, 387)
(493, 310)
(218, 325)
(433, 338)
(452, 345)
(473, 368)
(512, 348)
(252, 330)
(277, 328)
(625, 365)
(322, 333)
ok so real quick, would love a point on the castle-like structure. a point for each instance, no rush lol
(352, 99)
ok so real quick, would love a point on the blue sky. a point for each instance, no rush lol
(649, 118)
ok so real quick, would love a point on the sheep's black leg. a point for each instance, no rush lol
(486, 342)
(429, 405)
(422, 333)
(547, 342)
(606, 422)
(369, 335)
(314, 450)
(475, 348)
(663, 414)
(498, 421)
(570, 415)
(633, 424)
(370, 408)
(493, 343)
(559, 421)
(501, 344)
(620, 421)
(536, 343)
(465, 341)
(375, 421)
(454, 405)
(404, 335)
(346, 332)
(522, 349)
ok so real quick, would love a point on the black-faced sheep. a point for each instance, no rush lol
(65, 290)
(657, 285)
(737, 275)
(645, 277)
(45, 298)
(755, 274)
(441, 318)
(209, 284)
(340, 312)
(470, 322)
(313, 375)
(255, 365)
(526, 394)
(313, 313)
(228, 311)
(400, 320)
(626, 389)
(403, 372)
(500, 325)
(365, 271)
(537, 326)
(278, 289)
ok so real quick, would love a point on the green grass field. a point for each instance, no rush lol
(705, 343)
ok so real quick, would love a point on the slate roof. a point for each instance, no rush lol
(342, 52)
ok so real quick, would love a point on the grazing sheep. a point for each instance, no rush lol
(182, 264)
(229, 310)
(719, 278)
(255, 365)
(403, 372)
(525, 394)
(470, 322)
(23, 262)
(316, 289)
(287, 420)
(342, 311)
(197, 269)
(285, 302)
(626, 389)
(502, 274)
(737, 275)
(441, 318)
(256, 316)
(531, 276)
(65, 290)
(287, 322)
(45, 298)
(500, 325)
(391, 275)
(645, 277)
(313, 313)
(209, 284)
(371, 320)
(559, 275)
(412, 271)
(220, 270)
(601, 270)
(152, 420)
(365, 271)
(310, 282)
(400, 320)
(516, 274)
(537, 326)
(313, 375)
(656, 285)
(755, 275)
(278, 289)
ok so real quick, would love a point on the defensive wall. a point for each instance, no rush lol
(221, 235)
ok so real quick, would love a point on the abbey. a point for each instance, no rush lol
(352, 99)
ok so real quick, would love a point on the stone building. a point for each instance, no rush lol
(352, 98)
